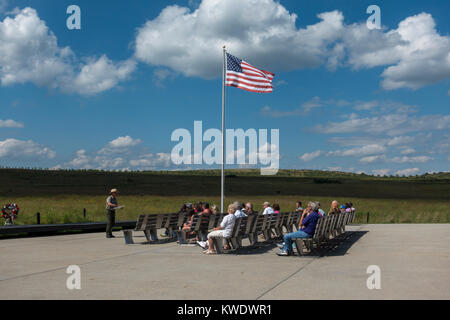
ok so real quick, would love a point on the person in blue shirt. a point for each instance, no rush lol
(307, 228)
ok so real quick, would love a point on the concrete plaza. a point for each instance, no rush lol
(414, 260)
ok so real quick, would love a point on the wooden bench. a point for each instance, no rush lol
(328, 226)
(194, 227)
(146, 223)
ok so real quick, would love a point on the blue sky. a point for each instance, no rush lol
(110, 95)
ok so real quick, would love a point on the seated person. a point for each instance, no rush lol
(321, 212)
(267, 208)
(334, 208)
(243, 208)
(307, 228)
(249, 209)
(298, 206)
(188, 223)
(204, 215)
(215, 209)
(198, 207)
(182, 210)
(223, 231)
(348, 207)
(276, 208)
(352, 208)
(206, 211)
(238, 213)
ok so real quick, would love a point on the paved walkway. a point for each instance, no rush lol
(414, 262)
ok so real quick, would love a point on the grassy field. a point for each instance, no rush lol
(61, 196)
(69, 208)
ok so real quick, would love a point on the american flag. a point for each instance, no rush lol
(242, 75)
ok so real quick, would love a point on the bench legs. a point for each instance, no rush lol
(234, 243)
(303, 245)
(300, 245)
(202, 235)
(151, 235)
(253, 238)
(128, 235)
(218, 244)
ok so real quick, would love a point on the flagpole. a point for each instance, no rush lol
(222, 189)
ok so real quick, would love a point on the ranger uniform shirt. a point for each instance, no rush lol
(112, 200)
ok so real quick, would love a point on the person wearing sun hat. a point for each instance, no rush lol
(111, 205)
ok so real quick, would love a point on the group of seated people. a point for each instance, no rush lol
(308, 221)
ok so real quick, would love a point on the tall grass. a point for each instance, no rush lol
(69, 208)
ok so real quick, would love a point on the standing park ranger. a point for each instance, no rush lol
(111, 206)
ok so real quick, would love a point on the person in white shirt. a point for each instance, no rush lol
(224, 230)
(267, 208)
(238, 213)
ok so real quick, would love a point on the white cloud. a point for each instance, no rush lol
(101, 75)
(119, 145)
(29, 52)
(81, 161)
(366, 105)
(24, 150)
(124, 142)
(373, 159)
(403, 159)
(269, 112)
(390, 124)
(400, 140)
(415, 53)
(407, 151)
(190, 42)
(312, 104)
(10, 124)
(310, 156)
(390, 142)
(152, 161)
(406, 159)
(334, 168)
(122, 153)
(407, 172)
(359, 151)
(381, 172)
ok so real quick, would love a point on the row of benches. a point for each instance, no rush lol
(328, 227)
(248, 227)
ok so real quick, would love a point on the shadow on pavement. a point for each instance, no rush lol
(338, 246)
(334, 247)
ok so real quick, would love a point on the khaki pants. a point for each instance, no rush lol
(110, 220)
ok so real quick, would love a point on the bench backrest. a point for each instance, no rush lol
(295, 219)
(215, 220)
(149, 222)
(139, 222)
(167, 220)
(236, 227)
(318, 230)
(258, 223)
